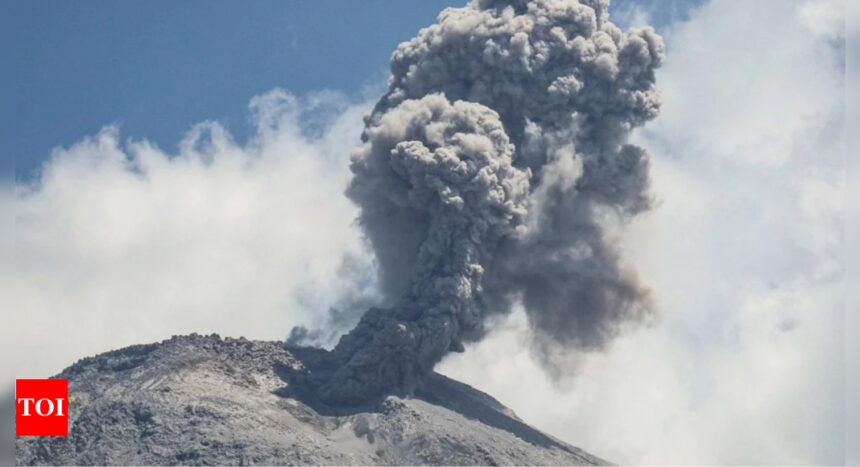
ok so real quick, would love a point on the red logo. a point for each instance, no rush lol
(41, 407)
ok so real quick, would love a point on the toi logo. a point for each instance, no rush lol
(41, 407)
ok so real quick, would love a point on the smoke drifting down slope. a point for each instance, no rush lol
(487, 176)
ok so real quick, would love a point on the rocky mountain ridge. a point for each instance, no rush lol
(200, 400)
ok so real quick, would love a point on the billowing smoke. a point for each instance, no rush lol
(489, 174)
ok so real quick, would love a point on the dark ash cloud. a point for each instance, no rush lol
(489, 172)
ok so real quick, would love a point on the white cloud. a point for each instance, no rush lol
(823, 17)
(744, 255)
(120, 243)
(852, 251)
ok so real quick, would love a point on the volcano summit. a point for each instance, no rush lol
(203, 400)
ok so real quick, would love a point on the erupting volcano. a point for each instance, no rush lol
(488, 174)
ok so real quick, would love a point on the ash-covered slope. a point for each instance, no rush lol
(206, 400)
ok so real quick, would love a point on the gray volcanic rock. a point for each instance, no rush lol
(206, 400)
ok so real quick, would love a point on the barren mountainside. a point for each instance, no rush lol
(206, 400)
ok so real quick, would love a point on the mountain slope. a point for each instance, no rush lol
(206, 400)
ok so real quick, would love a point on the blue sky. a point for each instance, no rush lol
(157, 67)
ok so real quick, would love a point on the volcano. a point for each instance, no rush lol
(204, 400)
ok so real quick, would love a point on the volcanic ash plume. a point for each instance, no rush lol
(489, 172)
